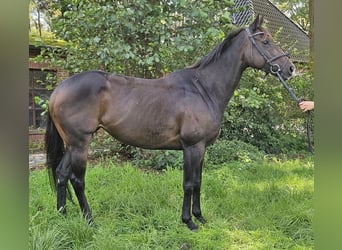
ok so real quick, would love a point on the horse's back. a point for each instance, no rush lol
(81, 85)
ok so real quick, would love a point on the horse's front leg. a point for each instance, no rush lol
(196, 193)
(193, 159)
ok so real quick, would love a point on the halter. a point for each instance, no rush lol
(274, 67)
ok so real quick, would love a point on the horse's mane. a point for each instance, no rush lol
(217, 51)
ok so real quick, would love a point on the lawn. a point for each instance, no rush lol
(266, 205)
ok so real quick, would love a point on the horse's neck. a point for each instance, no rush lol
(222, 77)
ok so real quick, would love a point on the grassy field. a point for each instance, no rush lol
(265, 205)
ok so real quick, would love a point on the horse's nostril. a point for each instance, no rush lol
(292, 68)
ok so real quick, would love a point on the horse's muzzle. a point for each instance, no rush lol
(287, 71)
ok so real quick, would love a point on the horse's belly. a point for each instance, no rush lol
(150, 136)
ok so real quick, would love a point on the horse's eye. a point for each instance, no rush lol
(265, 42)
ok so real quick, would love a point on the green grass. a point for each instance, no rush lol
(260, 206)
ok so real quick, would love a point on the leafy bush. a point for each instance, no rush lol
(149, 39)
(158, 159)
(105, 146)
(261, 113)
(141, 38)
(225, 151)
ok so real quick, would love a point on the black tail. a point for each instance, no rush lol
(55, 150)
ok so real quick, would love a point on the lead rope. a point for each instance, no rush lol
(308, 113)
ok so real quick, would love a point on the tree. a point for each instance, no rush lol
(297, 10)
(41, 12)
(36, 16)
(140, 38)
(151, 38)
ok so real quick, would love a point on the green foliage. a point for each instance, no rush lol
(103, 146)
(45, 39)
(158, 159)
(140, 38)
(269, 206)
(150, 38)
(53, 239)
(142, 158)
(262, 113)
(224, 152)
(297, 10)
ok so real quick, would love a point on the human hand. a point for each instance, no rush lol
(306, 105)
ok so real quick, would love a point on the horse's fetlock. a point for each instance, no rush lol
(197, 213)
(191, 225)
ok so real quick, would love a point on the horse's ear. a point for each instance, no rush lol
(257, 23)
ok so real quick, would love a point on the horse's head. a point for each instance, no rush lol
(264, 54)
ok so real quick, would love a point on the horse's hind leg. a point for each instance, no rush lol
(78, 168)
(62, 178)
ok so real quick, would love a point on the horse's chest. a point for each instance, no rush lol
(200, 127)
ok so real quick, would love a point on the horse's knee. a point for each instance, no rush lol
(188, 188)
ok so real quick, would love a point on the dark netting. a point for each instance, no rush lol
(286, 32)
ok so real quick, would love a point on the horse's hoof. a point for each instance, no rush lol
(62, 210)
(201, 219)
(90, 222)
(192, 226)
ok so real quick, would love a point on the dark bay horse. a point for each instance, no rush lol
(181, 111)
